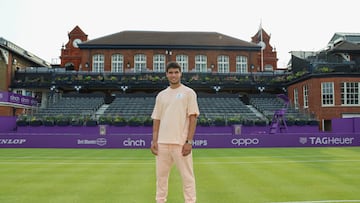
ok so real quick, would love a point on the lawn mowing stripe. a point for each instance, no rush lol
(199, 162)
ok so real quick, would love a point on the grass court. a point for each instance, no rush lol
(258, 175)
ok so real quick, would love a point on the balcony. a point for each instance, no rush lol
(46, 77)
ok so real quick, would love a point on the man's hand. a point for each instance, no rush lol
(186, 149)
(154, 148)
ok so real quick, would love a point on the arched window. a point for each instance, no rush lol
(200, 63)
(139, 63)
(98, 63)
(159, 63)
(241, 64)
(183, 61)
(117, 63)
(223, 64)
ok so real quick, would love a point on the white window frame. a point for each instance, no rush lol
(159, 63)
(98, 63)
(117, 63)
(306, 96)
(139, 63)
(296, 98)
(223, 64)
(201, 63)
(327, 94)
(183, 61)
(241, 64)
(350, 94)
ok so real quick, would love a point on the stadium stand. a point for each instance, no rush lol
(224, 105)
(70, 105)
(130, 105)
(221, 106)
(268, 104)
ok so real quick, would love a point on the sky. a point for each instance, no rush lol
(41, 26)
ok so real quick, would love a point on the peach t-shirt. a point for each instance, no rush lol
(173, 108)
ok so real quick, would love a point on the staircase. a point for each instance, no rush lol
(101, 110)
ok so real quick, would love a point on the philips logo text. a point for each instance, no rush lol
(199, 143)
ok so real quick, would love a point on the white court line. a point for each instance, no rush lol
(81, 163)
(321, 201)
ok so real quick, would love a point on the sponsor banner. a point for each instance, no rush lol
(143, 140)
(17, 99)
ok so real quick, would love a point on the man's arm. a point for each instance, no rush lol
(186, 150)
(155, 135)
(192, 126)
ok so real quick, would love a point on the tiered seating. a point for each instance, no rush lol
(267, 104)
(72, 106)
(131, 106)
(212, 107)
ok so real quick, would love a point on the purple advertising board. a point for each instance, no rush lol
(13, 98)
(211, 138)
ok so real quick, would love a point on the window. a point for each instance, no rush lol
(19, 92)
(306, 96)
(139, 63)
(117, 63)
(223, 64)
(327, 94)
(268, 67)
(200, 63)
(183, 61)
(241, 64)
(350, 93)
(296, 98)
(159, 63)
(28, 93)
(98, 63)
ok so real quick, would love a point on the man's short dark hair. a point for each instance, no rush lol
(173, 64)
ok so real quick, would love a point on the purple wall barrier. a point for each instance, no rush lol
(140, 137)
(345, 125)
(7, 123)
(356, 124)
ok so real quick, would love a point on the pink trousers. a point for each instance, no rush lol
(168, 155)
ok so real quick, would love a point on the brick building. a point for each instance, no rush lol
(12, 59)
(330, 89)
(149, 51)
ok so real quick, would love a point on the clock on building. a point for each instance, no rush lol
(76, 42)
(262, 44)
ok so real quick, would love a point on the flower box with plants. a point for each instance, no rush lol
(22, 120)
(34, 121)
(62, 120)
(248, 122)
(219, 121)
(48, 121)
(77, 121)
(90, 121)
(148, 121)
(135, 121)
(260, 122)
(203, 121)
(234, 121)
(119, 121)
(105, 120)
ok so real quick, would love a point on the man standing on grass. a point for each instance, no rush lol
(174, 122)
